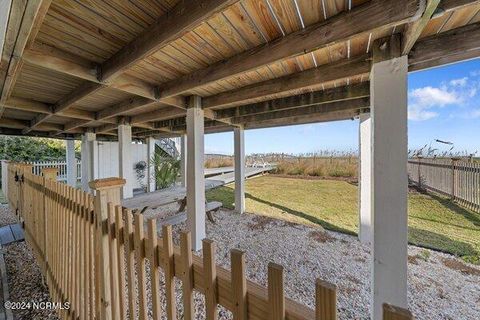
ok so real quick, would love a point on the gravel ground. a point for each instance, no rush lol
(24, 278)
(6, 217)
(440, 286)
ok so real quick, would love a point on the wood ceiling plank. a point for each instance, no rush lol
(365, 18)
(184, 17)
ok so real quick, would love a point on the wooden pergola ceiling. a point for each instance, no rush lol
(70, 66)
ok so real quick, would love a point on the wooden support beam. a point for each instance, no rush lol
(346, 105)
(122, 107)
(363, 19)
(300, 80)
(22, 124)
(414, 29)
(355, 91)
(338, 109)
(429, 52)
(31, 20)
(160, 114)
(185, 16)
(60, 61)
(22, 104)
(453, 5)
(28, 105)
(65, 103)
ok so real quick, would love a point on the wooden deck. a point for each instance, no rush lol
(176, 193)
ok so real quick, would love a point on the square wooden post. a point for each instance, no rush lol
(106, 191)
(50, 173)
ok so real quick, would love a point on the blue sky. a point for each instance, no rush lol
(443, 103)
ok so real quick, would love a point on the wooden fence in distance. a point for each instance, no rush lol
(94, 254)
(454, 178)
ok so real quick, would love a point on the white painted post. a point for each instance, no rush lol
(195, 173)
(89, 159)
(183, 160)
(71, 163)
(125, 161)
(388, 96)
(239, 150)
(364, 193)
(151, 164)
(5, 178)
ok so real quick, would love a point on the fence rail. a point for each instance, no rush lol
(457, 179)
(90, 249)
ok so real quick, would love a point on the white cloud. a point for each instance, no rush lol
(430, 96)
(421, 100)
(462, 82)
(475, 73)
(420, 115)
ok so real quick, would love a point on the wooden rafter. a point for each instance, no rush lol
(414, 29)
(355, 91)
(31, 20)
(295, 81)
(463, 44)
(45, 56)
(336, 106)
(65, 103)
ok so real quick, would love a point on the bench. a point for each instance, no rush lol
(180, 217)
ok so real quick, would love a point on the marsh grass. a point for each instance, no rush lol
(339, 167)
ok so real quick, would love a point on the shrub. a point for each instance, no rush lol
(166, 171)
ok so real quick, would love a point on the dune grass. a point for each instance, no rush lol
(434, 221)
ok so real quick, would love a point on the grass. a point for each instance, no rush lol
(344, 167)
(434, 222)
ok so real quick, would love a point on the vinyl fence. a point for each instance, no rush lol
(457, 179)
(94, 255)
(38, 166)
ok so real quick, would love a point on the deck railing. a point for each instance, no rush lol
(93, 254)
(38, 166)
(455, 178)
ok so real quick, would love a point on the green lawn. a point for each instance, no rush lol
(434, 222)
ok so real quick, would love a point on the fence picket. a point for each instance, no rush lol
(187, 275)
(121, 259)
(115, 290)
(239, 285)
(130, 247)
(210, 277)
(454, 178)
(325, 301)
(154, 265)
(276, 298)
(169, 269)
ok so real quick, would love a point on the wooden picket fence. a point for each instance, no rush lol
(455, 178)
(93, 254)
